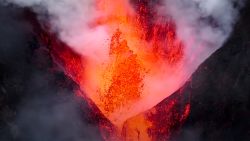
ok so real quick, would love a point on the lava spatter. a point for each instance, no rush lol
(122, 81)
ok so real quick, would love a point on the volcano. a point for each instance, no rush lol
(132, 81)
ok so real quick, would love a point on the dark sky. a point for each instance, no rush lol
(33, 98)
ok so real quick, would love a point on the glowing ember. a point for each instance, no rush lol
(123, 78)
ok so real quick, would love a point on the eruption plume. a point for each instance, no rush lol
(134, 54)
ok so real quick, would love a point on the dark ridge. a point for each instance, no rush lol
(220, 102)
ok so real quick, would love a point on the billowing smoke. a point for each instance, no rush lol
(203, 25)
(72, 21)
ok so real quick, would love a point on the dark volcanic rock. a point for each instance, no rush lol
(220, 90)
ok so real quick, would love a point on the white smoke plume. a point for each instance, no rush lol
(71, 20)
(203, 25)
(200, 23)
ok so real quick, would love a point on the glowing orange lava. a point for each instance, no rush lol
(123, 78)
(120, 84)
(141, 50)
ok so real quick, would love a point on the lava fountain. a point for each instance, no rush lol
(142, 64)
(139, 56)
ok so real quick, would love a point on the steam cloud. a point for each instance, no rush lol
(205, 23)
(71, 20)
(200, 23)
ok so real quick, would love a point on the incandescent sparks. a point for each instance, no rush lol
(122, 79)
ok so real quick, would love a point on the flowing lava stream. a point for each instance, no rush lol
(142, 48)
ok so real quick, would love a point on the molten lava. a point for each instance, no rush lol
(143, 51)
(139, 54)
